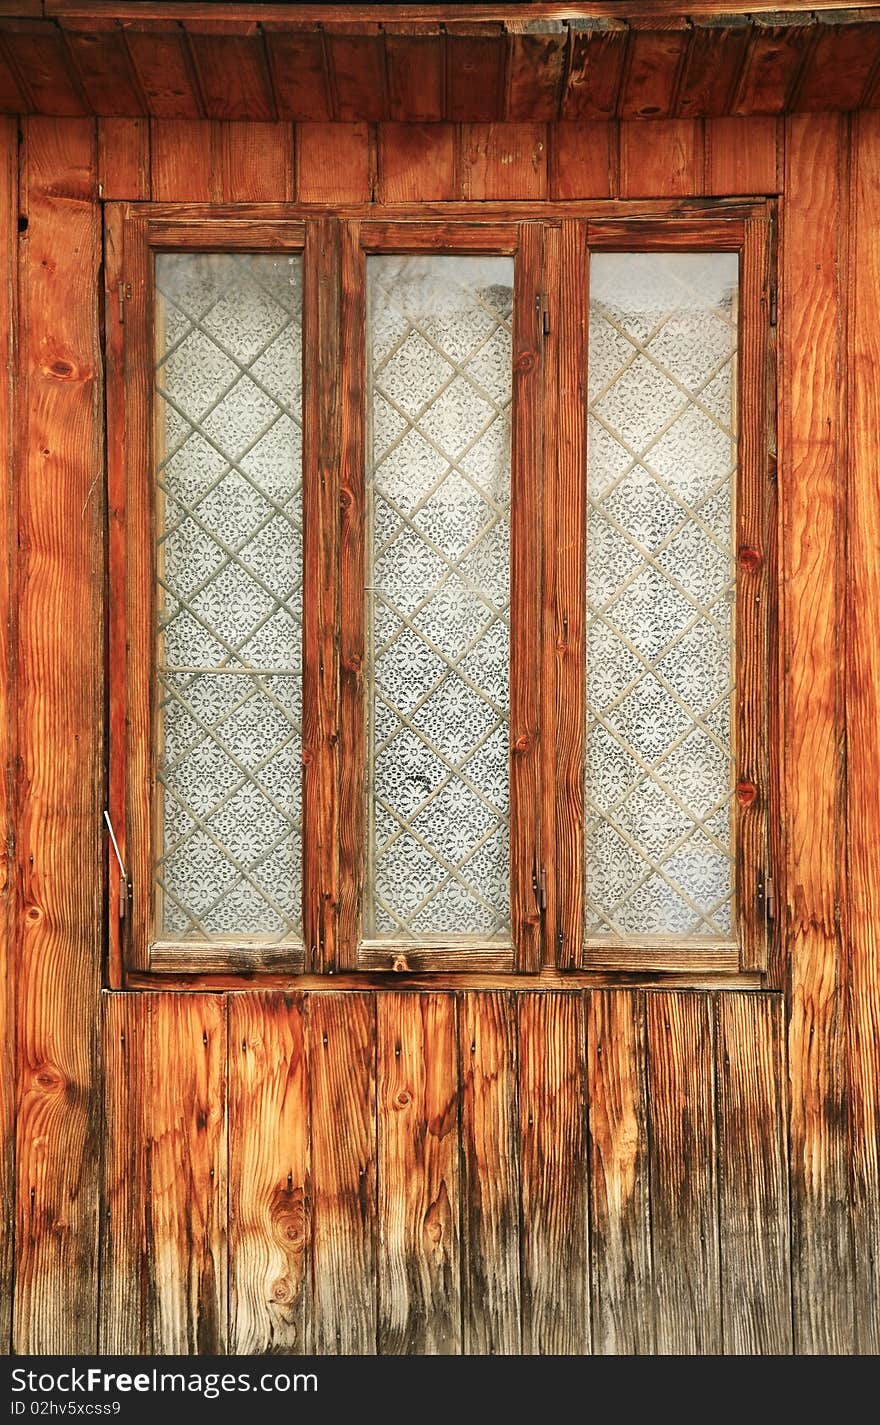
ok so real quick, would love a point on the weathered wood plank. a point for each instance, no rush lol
(417, 163)
(182, 160)
(474, 75)
(59, 710)
(770, 69)
(125, 1325)
(36, 53)
(583, 159)
(418, 1168)
(334, 163)
(268, 1174)
(342, 1085)
(753, 1176)
(8, 319)
(683, 1174)
(124, 159)
(299, 73)
(101, 62)
(232, 71)
(535, 71)
(490, 1175)
(356, 58)
(553, 1175)
(504, 161)
(416, 70)
(256, 163)
(653, 65)
(863, 720)
(711, 69)
(620, 1217)
(595, 67)
(187, 1174)
(811, 489)
(164, 69)
(573, 305)
(662, 159)
(741, 156)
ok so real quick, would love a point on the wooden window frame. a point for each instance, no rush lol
(551, 246)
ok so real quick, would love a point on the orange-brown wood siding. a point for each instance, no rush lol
(487, 1172)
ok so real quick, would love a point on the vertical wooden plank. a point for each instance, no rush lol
(182, 160)
(714, 60)
(321, 498)
(475, 65)
(299, 72)
(418, 1167)
(333, 163)
(504, 161)
(529, 870)
(351, 840)
(255, 163)
(8, 319)
(125, 1326)
(416, 163)
(811, 488)
(654, 60)
(741, 156)
(661, 159)
(596, 59)
(416, 69)
(753, 1176)
(773, 61)
(342, 1083)
(232, 70)
(535, 71)
(583, 159)
(124, 158)
(553, 1175)
(268, 1174)
(620, 1214)
(683, 1172)
(59, 708)
(569, 615)
(863, 720)
(117, 410)
(490, 1174)
(356, 57)
(164, 69)
(186, 1172)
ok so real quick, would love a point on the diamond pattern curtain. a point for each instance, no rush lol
(228, 441)
(438, 476)
(660, 587)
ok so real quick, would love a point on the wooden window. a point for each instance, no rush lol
(441, 596)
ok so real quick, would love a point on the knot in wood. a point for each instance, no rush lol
(402, 1099)
(525, 362)
(749, 557)
(746, 792)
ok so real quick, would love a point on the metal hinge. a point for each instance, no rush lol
(124, 889)
(542, 307)
(770, 898)
(123, 293)
(773, 310)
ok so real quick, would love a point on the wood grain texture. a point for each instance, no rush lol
(474, 74)
(596, 60)
(342, 1097)
(186, 1175)
(650, 79)
(417, 162)
(59, 709)
(620, 1215)
(535, 72)
(182, 160)
(124, 158)
(255, 163)
(583, 160)
(268, 1174)
(418, 1170)
(8, 500)
(711, 68)
(164, 69)
(553, 1176)
(863, 719)
(504, 161)
(416, 70)
(662, 159)
(811, 488)
(125, 1324)
(490, 1174)
(232, 73)
(741, 156)
(299, 74)
(569, 622)
(334, 163)
(683, 1174)
(753, 1176)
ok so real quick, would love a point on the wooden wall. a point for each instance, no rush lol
(608, 1170)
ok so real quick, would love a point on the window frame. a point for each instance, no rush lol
(551, 245)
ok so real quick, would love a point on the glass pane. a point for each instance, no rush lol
(660, 591)
(438, 483)
(228, 468)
